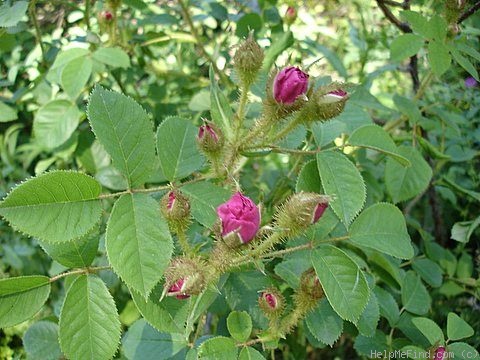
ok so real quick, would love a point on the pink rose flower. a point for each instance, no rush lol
(289, 84)
(319, 210)
(178, 290)
(239, 215)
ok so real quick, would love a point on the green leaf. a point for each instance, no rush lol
(7, 113)
(388, 306)
(247, 23)
(382, 227)
(249, 353)
(143, 342)
(278, 44)
(75, 253)
(62, 59)
(205, 197)
(464, 62)
(75, 75)
(325, 132)
(405, 183)
(55, 122)
(41, 341)
(465, 266)
(374, 346)
(437, 28)
(21, 298)
(124, 129)
(12, 13)
(139, 245)
(239, 325)
(463, 351)
(342, 280)
(417, 22)
(429, 271)
(324, 323)
(415, 297)
(169, 315)
(465, 48)
(58, 206)
(177, 148)
(114, 57)
(89, 326)
(218, 348)
(430, 330)
(408, 108)
(308, 179)
(463, 230)
(367, 324)
(404, 46)
(291, 268)
(438, 57)
(341, 179)
(221, 111)
(457, 328)
(374, 137)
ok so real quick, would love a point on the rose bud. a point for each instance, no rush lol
(107, 15)
(178, 290)
(300, 211)
(332, 103)
(439, 353)
(239, 216)
(289, 84)
(175, 208)
(290, 15)
(309, 291)
(210, 138)
(248, 60)
(272, 302)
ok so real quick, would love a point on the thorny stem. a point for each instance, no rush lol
(150, 190)
(87, 270)
(183, 241)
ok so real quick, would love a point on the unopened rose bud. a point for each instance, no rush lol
(210, 138)
(175, 208)
(240, 217)
(248, 60)
(107, 15)
(439, 353)
(289, 84)
(309, 291)
(272, 302)
(178, 290)
(290, 15)
(331, 104)
(300, 211)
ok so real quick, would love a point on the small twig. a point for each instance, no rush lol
(468, 12)
(87, 270)
(393, 19)
(87, 14)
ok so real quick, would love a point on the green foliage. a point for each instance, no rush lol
(342, 280)
(344, 182)
(239, 325)
(89, 327)
(138, 243)
(177, 148)
(124, 129)
(41, 341)
(324, 323)
(21, 298)
(56, 207)
(218, 348)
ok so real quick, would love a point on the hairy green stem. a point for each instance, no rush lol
(87, 270)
